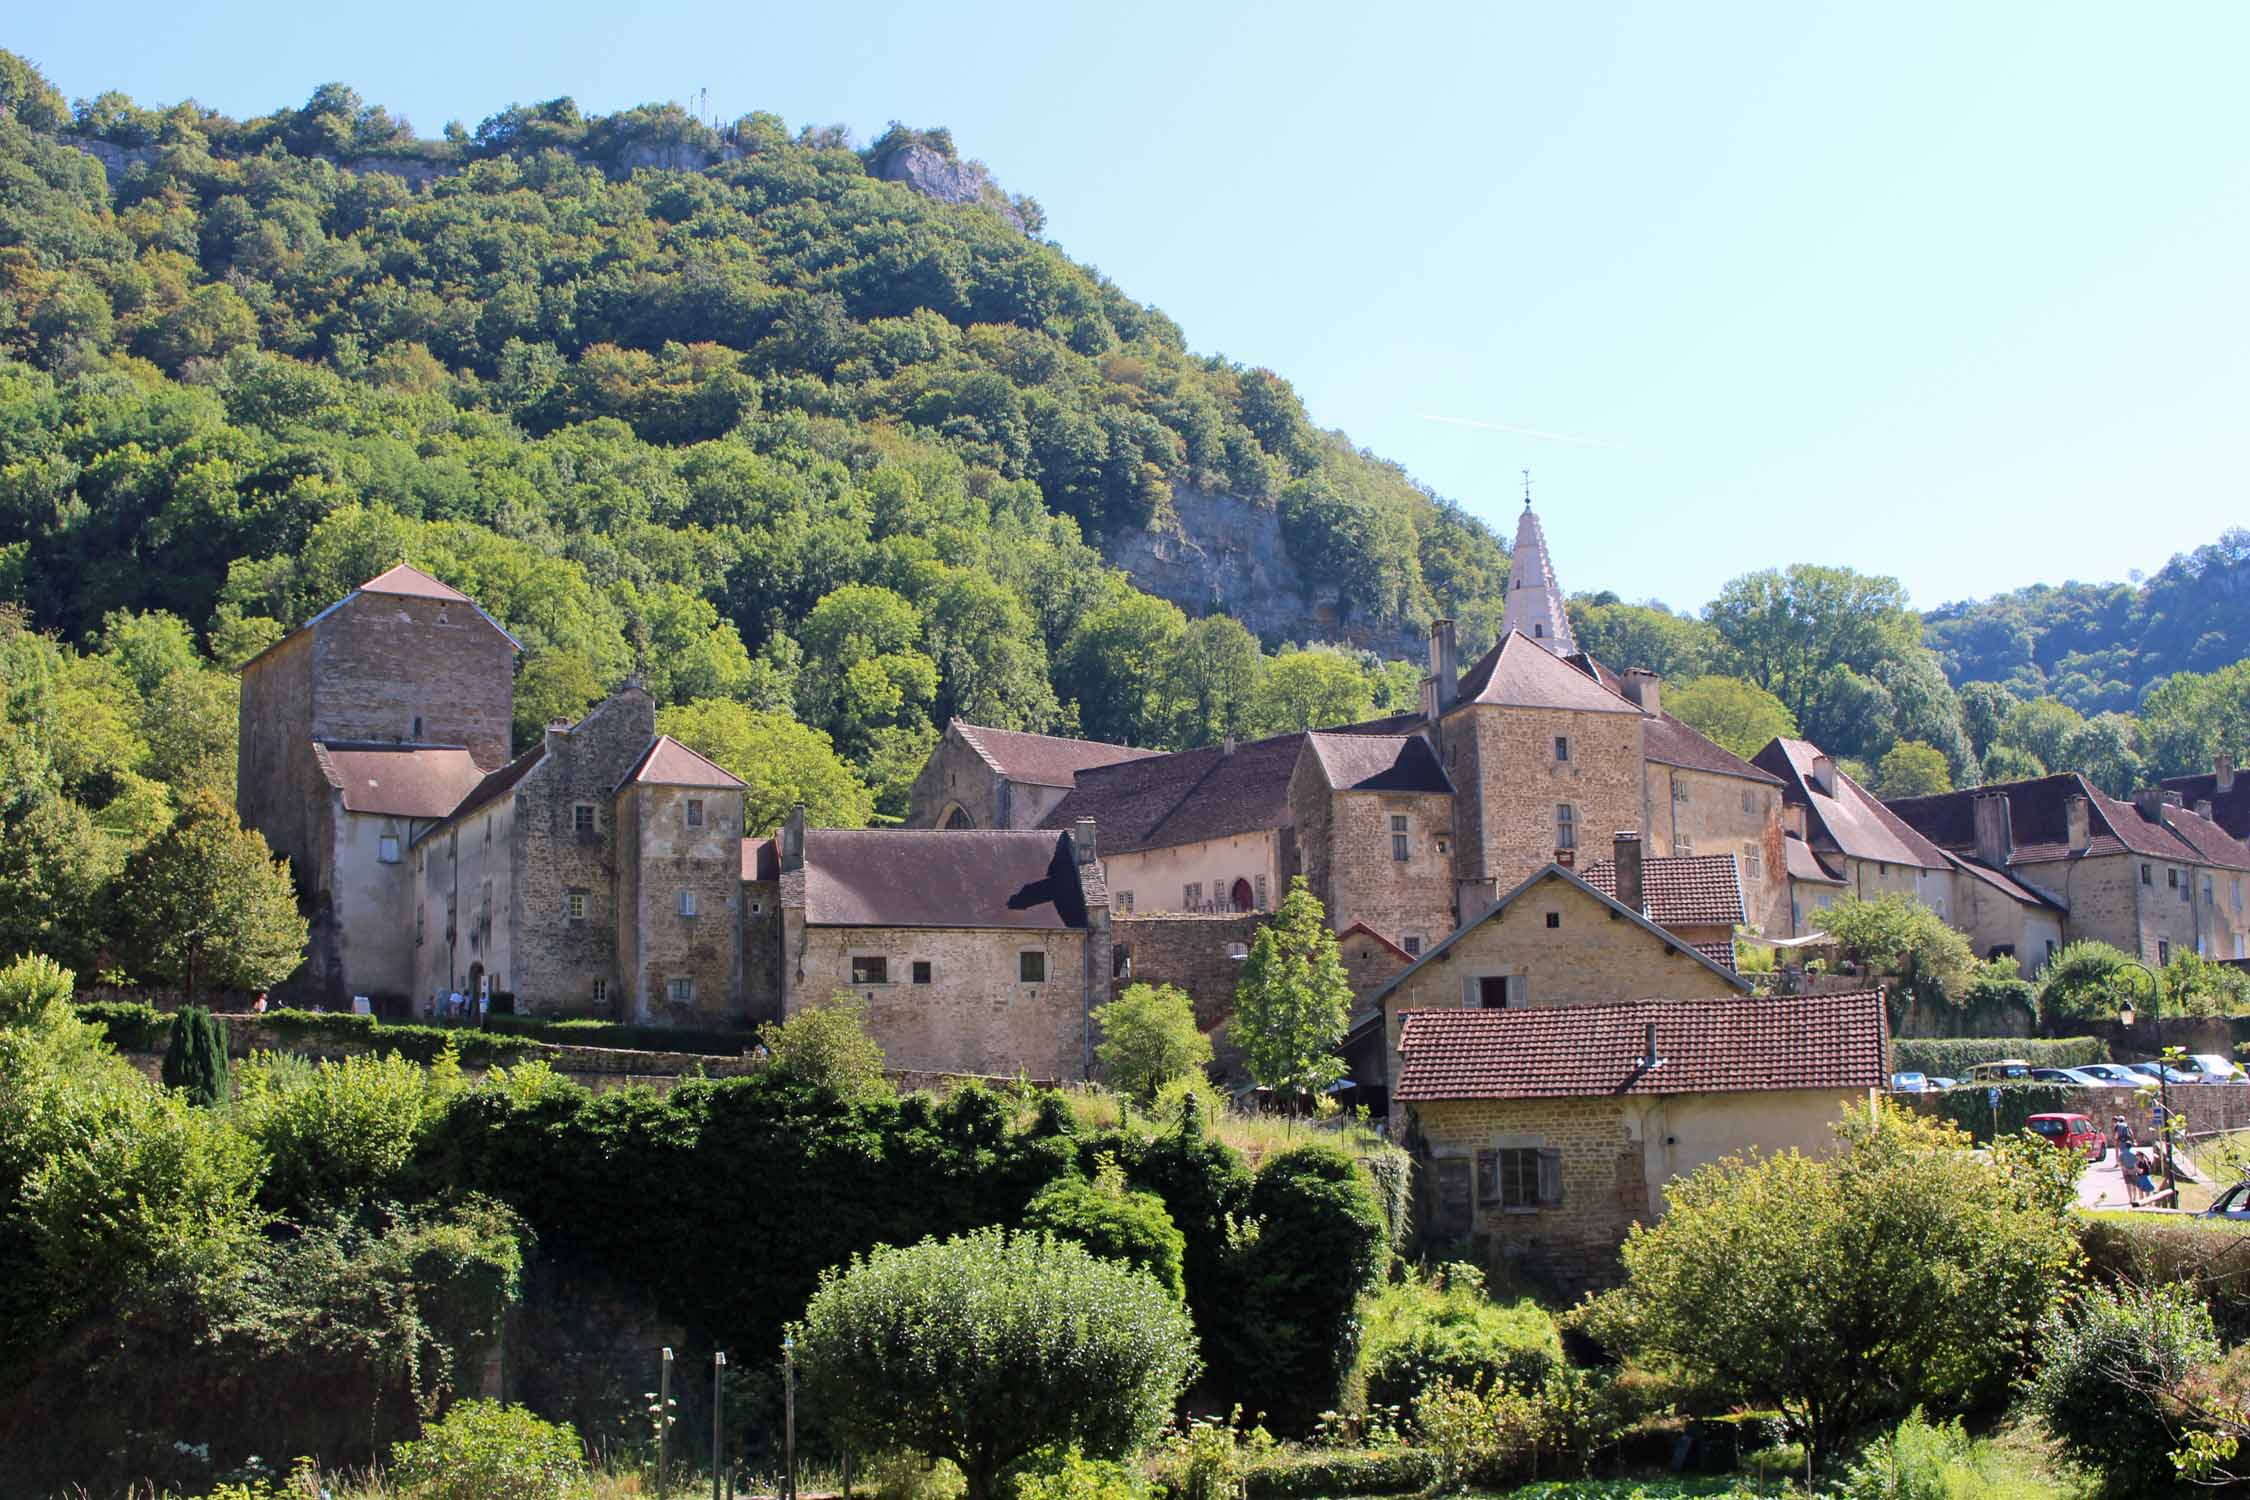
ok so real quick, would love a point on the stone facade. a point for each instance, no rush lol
(679, 887)
(1201, 955)
(1245, 871)
(1513, 824)
(1370, 959)
(1699, 812)
(1350, 844)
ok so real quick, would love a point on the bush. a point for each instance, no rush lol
(898, 1475)
(422, 1044)
(931, 1348)
(481, 1450)
(1952, 1057)
(710, 1042)
(196, 1061)
(130, 1024)
(2201, 1255)
(1074, 1476)
(1327, 1471)
(334, 1133)
(1114, 1223)
(31, 986)
(1149, 1038)
(1920, 1460)
(1481, 1435)
(2085, 982)
(1899, 936)
(2107, 1359)
(828, 1047)
(1971, 1108)
(1442, 1326)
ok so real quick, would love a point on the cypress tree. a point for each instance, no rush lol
(196, 1060)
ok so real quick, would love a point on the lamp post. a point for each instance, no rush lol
(2163, 1067)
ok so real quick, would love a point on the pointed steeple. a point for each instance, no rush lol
(1535, 602)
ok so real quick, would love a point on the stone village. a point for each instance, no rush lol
(1535, 881)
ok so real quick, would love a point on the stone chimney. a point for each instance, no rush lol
(1996, 836)
(1445, 664)
(1646, 689)
(1630, 892)
(1824, 775)
(2222, 766)
(2150, 800)
(2078, 816)
(792, 839)
(1082, 840)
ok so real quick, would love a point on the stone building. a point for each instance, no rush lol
(1694, 897)
(1852, 836)
(1373, 815)
(1544, 1135)
(1535, 608)
(1002, 778)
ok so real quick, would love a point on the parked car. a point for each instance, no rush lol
(2083, 1078)
(2153, 1071)
(1909, 1083)
(2210, 1067)
(1941, 1082)
(2234, 1203)
(2011, 1069)
(2071, 1133)
(2116, 1073)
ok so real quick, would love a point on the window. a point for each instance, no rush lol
(2172, 879)
(1683, 846)
(1031, 966)
(2208, 898)
(1259, 883)
(695, 812)
(1454, 1211)
(574, 906)
(1554, 920)
(2163, 952)
(386, 848)
(1566, 826)
(417, 735)
(921, 971)
(689, 904)
(866, 970)
(601, 992)
(1191, 895)
(1679, 790)
(421, 923)
(680, 991)
(2234, 894)
(1754, 864)
(1498, 991)
(1519, 1177)
(2238, 953)
(582, 817)
(1398, 836)
(1538, 630)
(1121, 961)
(1749, 800)
(1562, 747)
(2146, 878)
(1124, 900)
(1412, 943)
(2050, 949)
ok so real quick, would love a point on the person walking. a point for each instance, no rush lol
(2128, 1161)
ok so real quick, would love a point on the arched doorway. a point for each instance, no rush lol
(1240, 897)
(956, 817)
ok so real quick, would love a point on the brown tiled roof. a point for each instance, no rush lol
(920, 877)
(1521, 673)
(1378, 762)
(1804, 864)
(1720, 1046)
(2038, 819)
(1859, 825)
(1669, 742)
(667, 762)
(491, 789)
(1999, 880)
(1042, 759)
(413, 583)
(2212, 843)
(2230, 809)
(406, 781)
(1185, 797)
(1682, 890)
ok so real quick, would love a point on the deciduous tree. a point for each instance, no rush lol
(1293, 1001)
(1149, 1038)
(207, 903)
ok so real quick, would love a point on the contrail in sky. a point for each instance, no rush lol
(1532, 432)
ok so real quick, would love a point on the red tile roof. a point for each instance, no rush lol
(1521, 673)
(926, 877)
(2230, 809)
(2038, 819)
(406, 781)
(1719, 1046)
(1377, 762)
(1042, 759)
(667, 762)
(413, 583)
(1854, 821)
(1682, 890)
(1185, 797)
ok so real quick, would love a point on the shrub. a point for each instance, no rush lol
(334, 1133)
(1971, 1108)
(2084, 982)
(1074, 1476)
(575, 1032)
(1480, 1434)
(828, 1046)
(1442, 1326)
(196, 1061)
(1289, 1474)
(1952, 1057)
(1149, 1038)
(2201, 1255)
(2199, 986)
(2107, 1359)
(899, 1475)
(1114, 1223)
(1899, 936)
(931, 1348)
(129, 1024)
(1996, 988)
(31, 986)
(1922, 1460)
(481, 1450)
(1171, 1102)
(422, 1044)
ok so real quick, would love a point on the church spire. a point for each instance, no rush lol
(1535, 601)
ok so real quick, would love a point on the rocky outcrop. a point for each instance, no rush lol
(1229, 556)
(935, 175)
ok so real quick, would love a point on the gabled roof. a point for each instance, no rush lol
(1437, 952)
(1377, 762)
(1853, 820)
(1520, 673)
(1185, 797)
(490, 789)
(1669, 742)
(413, 583)
(667, 762)
(1041, 759)
(2038, 821)
(2014, 890)
(405, 781)
(2230, 809)
(1361, 929)
(1803, 864)
(1727, 1045)
(1682, 890)
(1021, 879)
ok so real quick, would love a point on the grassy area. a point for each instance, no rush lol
(1256, 1136)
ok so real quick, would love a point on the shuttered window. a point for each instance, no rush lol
(1519, 1177)
(1452, 1212)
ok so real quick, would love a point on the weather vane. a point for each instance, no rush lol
(1527, 489)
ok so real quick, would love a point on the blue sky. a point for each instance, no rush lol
(1953, 292)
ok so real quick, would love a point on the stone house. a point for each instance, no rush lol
(1002, 778)
(1813, 887)
(1373, 815)
(1371, 960)
(976, 951)
(2149, 876)
(1553, 941)
(1544, 1135)
(1695, 897)
(357, 730)
(1867, 848)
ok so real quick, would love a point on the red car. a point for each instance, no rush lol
(2071, 1133)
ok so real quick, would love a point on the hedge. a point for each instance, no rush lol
(576, 1033)
(136, 1027)
(1972, 1110)
(1342, 1471)
(1953, 1056)
(133, 1025)
(2151, 1250)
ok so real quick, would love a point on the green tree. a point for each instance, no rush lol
(1293, 1000)
(1787, 631)
(2042, 729)
(781, 763)
(1314, 688)
(2101, 750)
(192, 722)
(206, 903)
(1985, 707)
(1114, 1222)
(1678, 648)
(34, 990)
(1841, 1288)
(2086, 981)
(1117, 663)
(2004, 763)
(554, 687)
(1912, 769)
(195, 1061)
(1740, 716)
(1214, 676)
(1898, 936)
(932, 1348)
(1149, 1038)
(828, 1046)
(2108, 1363)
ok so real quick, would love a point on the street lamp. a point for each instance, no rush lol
(2163, 1068)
